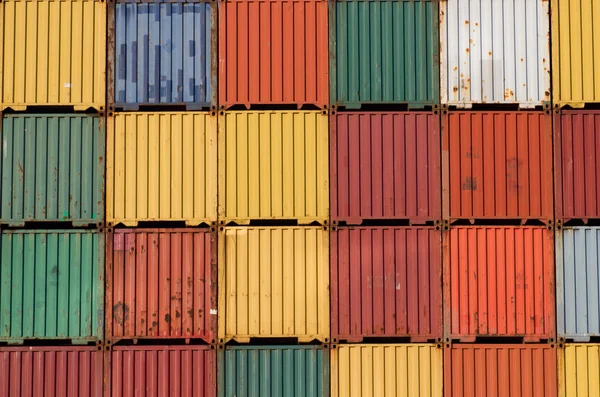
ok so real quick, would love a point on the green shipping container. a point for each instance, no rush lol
(274, 371)
(51, 285)
(384, 52)
(52, 169)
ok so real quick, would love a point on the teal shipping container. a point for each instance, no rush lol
(51, 285)
(52, 169)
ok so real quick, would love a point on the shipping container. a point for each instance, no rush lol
(578, 367)
(161, 283)
(495, 51)
(62, 371)
(497, 165)
(385, 165)
(161, 371)
(273, 52)
(500, 370)
(277, 371)
(164, 54)
(53, 54)
(386, 282)
(273, 165)
(52, 169)
(161, 167)
(577, 165)
(273, 282)
(384, 52)
(575, 52)
(499, 281)
(51, 285)
(386, 370)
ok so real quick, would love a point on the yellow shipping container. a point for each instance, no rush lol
(391, 370)
(575, 52)
(161, 167)
(273, 282)
(273, 165)
(579, 370)
(53, 53)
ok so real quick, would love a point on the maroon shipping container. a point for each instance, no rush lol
(577, 164)
(385, 166)
(161, 371)
(386, 282)
(161, 283)
(64, 371)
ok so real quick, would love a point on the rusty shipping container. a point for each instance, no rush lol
(499, 281)
(497, 165)
(273, 52)
(161, 283)
(63, 371)
(161, 371)
(386, 282)
(500, 370)
(385, 166)
(578, 367)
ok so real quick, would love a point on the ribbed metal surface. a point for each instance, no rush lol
(51, 285)
(579, 370)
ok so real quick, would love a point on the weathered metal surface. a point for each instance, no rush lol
(578, 368)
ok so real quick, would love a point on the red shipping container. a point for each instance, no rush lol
(386, 282)
(385, 166)
(64, 371)
(161, 283)
(273, 52)
(497, 165)
(500, 370)
(577, 164)
(161, 371)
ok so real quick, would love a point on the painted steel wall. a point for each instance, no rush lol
(273, 52)
(63, 371)
(500, 370)
(273, 165)
(51, 285)
(575, 52)
(161, 283)
(273, 282)
(164, 55)
(495, 51)
(386, 281)
(578, 368)
(278, 371)
(384, 52)
(386, 370)
(52, 169)
(53, 53)
(499, 282)
(497, 165)
(161, 167)
(385, 166)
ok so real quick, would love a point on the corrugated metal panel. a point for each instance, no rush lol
(273, 52)
(53, 53)
(161, 166)
(63, 371)
(51, 285)
(575, 52)
(579, 370)
(274, 282)
(153, 371)
(497, 165)
(386, 281)
(500, 370)
(290, 371)
(52, 169)
(495, 51)
(500, 282)
(163, 54)
(161, 283)
(273, 165)
(386, 370)
(385, 166)
(384, 52)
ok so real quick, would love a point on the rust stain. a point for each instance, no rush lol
(470, 183)
(167, 318)
(120, 313)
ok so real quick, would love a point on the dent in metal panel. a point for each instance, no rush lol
(578, 368)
